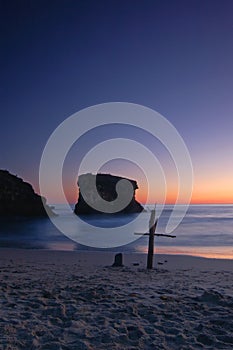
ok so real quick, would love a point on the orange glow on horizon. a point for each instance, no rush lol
(205, 191)
(198, 197)
(211, 253)
(213, 191)
(72, 197)
(218, 197)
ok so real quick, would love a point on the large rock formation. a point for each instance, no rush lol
(17, 198)
(106, 189)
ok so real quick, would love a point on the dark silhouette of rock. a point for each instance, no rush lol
(17, 198)
(106, 189)
(118, 261)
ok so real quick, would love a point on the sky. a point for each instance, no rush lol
(175, 57)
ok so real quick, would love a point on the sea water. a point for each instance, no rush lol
(206, 230)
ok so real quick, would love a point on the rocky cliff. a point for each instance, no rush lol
(106, 189)
(17, 198)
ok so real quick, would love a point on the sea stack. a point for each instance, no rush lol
(17, 198)
(105, 184)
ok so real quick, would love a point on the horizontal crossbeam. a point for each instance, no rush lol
(155, 234)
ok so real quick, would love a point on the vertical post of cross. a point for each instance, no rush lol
(152, 228)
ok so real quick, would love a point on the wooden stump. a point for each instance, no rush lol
(118, 261)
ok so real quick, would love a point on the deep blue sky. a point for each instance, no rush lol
(58, 57)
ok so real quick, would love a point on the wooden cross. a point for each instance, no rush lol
(152, 234)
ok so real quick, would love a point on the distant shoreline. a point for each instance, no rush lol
(168, 261)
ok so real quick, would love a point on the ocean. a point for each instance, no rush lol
(206, 230)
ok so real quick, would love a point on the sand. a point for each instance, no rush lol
(76, 300)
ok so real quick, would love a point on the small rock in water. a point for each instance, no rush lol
(118, 262)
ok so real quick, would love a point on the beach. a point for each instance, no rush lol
(77, 300)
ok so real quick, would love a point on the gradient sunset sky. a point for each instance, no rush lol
(58, 57)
